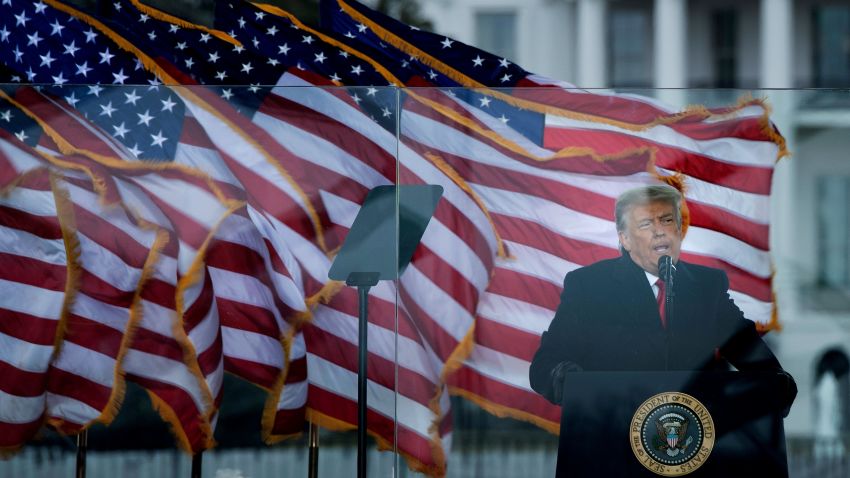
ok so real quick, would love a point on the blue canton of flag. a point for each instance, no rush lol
(480, 66)
(248, 64)
(51, 47)
(278, 35)
(197, 56)
(419, 64)
(282, 38)
(16, 122)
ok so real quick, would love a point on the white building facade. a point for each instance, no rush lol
(733, 45)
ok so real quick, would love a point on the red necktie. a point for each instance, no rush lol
(660, 300)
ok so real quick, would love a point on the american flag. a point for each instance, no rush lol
(114, 277)
(549, 178)
(180, 365)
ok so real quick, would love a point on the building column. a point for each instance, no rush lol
(776, 71)
(776, 47)
(669, 43)
(592, 44)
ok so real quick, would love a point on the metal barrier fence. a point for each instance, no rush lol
(512, 459)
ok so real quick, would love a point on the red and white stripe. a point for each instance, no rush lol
(248, 152)
(16, 160)
(255, 280)
(258, 300)
(181, 278)
(180, 203)
(637, 112)
(288, 402)
(239, 296)
(33, 277)
(254, 159)
(114, 253)
(158, 193)
(85, 377)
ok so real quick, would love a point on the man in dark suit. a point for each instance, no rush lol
(609, 318)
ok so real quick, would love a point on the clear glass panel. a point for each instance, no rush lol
(200, 223)
(531, 178)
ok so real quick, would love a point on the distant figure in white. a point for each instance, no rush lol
(828, 418)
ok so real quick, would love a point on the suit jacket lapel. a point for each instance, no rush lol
(636, 291)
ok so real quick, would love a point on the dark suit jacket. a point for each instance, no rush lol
(608, 320)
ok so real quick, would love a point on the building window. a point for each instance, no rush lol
(496, 32)
(629, 60)
(834, 232)
(724, 42)
(831, 43)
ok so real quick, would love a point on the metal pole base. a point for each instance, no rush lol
(197, 461)
(313, 464)
(82, 448)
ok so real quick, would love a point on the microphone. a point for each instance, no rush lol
(666, 268)
(666, 271)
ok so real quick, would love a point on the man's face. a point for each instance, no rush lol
(651, 232)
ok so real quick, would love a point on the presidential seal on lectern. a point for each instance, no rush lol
(672, 434)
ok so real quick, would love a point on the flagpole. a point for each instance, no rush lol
(82, 447)
(197, 461)
(313, 464)
(363, 290)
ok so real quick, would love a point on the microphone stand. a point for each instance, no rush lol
(667, 270)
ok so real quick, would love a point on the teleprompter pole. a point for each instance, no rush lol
(363, 329)
(364, 281)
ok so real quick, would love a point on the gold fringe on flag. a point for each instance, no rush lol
(65, 215)
(677, 181)
(170, 417)
(466, 81)
(328, 291)
(507, 412)
(277, 11)
(193, 276)
(165, 17)
(136, 311)
(568, 152)
(273, 396)
(457, 179)
(441, 109)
